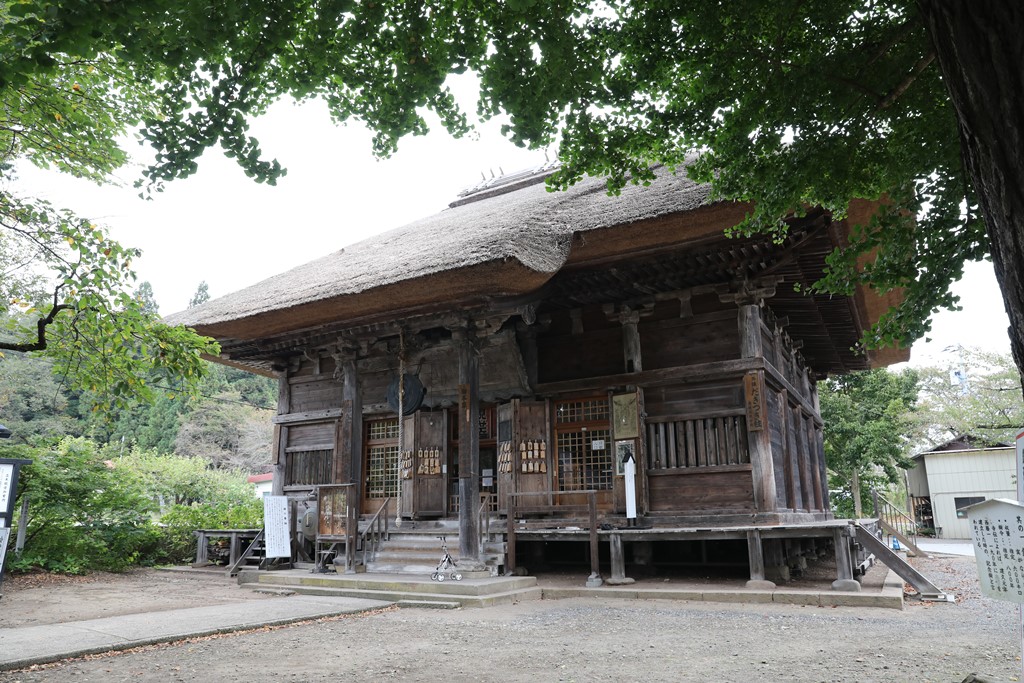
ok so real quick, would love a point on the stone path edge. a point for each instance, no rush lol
(14, 664)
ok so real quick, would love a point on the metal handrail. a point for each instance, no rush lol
(377, 529)
(892, 515)
(484, 516)
(898, 522)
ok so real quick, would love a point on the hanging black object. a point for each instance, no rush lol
(414, 394)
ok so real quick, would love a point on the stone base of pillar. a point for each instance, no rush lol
(755, 584)
(849, 585)
(623, 581)
(594, 581)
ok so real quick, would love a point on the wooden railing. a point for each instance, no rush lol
(549, 505)
(896, 523)
(376, 531)
(698, 442)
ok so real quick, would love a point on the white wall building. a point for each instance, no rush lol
(950, 477)
(262, 483)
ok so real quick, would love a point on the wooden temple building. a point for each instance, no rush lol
(547, 339)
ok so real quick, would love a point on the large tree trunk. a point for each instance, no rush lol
(980, 49)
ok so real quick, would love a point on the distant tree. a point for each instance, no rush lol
(32, 404)
(201, 296)
(974, 393)
(868, 429)
(144, 295)
(227, 433)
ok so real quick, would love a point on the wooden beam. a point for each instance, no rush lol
(311, 416)
(651, 378)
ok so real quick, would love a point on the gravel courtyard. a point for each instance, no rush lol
(557, 640)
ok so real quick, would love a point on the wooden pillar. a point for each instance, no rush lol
(630, 320)
(762, 469)
(469, 450)
(633, 362)
(775, 566)
(755, 553)
(349, 447)
(844, 562)
(280, 459)
(618, 558)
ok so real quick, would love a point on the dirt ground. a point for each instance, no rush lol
(550, 640)
(36, 599)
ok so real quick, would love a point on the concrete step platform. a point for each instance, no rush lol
(470, 592)
(417, 599)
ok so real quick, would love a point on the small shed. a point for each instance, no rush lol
(962, 472)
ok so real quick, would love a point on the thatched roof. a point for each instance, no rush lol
(522, 236)
(508, 238)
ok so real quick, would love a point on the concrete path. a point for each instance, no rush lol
(946, 546)
(21, 647)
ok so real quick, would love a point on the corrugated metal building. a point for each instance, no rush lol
(957, 474)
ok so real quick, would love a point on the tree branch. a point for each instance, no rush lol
(902, 86)
(41, 325)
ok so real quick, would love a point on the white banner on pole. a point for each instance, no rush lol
(6, 486)
(276, 526)
(1020, 467)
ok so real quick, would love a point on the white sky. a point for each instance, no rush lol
(221, 227)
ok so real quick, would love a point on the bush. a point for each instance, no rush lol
(90, 509)
(178, 543)
(83, 514)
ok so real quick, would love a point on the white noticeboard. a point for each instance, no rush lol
(997, 529)
(6, 483)
(275, 526)
(5, 535)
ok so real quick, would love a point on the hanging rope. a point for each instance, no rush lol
(401, 425)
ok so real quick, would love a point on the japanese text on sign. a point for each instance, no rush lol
(997, 529)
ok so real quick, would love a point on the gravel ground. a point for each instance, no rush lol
(594, 640)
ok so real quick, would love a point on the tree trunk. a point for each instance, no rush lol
(980, 50)
(858, 506)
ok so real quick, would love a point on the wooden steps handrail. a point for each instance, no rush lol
(373, 533)
(233, 569)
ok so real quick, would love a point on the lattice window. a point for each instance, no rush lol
(587, 410)
(381, 477)
(585, 460)
(382, 430)
(309, 467)
(700, 442)
(382, 458)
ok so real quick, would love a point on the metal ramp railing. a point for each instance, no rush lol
(884, 554)
(897, 523)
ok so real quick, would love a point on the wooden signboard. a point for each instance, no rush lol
(625, 416)
(753, 389)
(276, 526)
(333, 510)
